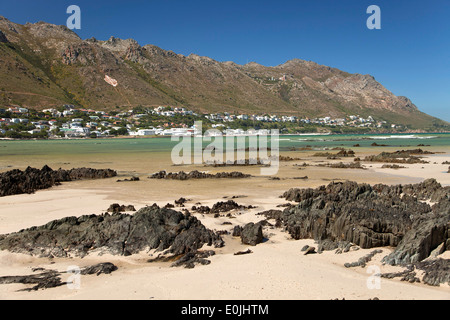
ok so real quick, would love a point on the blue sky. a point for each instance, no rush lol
(410, 55)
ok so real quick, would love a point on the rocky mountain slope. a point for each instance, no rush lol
(44, 65)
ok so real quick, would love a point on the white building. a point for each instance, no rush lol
(143, 132)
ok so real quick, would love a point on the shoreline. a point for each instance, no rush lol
(285, 134)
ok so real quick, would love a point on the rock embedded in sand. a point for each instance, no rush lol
(435, 272)
(31, 179)
(239, 253)
(392, 166)
(220, 207)
(341, 165)
(190, 259)
(180, 202)
(252, 234)
(403, 156)
(52, 278)
(116, 208)
(363, 260)
(373, 216)
(198, 175)
(129, 180)
(116, 234)
(309, 250)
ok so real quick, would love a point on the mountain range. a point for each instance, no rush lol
(44, 65)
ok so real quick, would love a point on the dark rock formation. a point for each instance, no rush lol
(373, 216)
(392, 166)
(201, 209)
(129, 180)
(435, 272)
(237, 230)
(309, 250)
(363, 260)
(341, 165)
(228, 206)
(239, 253)
(241, 163)
(197, 175)
(235, 197)
(3, 38)
(98, 269)
(287, 159)
(117, 234)
(273, 214)
(52, 278)
(252, 234)
(430, 189)
(116, 208)
(378, 145)
(346, 153)
(403, 156)
(339, 246)
(17, 181)
(427, 232)
(45, 280)
(190, 259)
(180, 202)
(220, 207)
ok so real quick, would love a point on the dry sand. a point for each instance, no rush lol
(275, 270)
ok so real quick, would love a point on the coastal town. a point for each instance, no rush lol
(69, 121)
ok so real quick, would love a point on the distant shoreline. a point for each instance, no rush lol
(286, 134)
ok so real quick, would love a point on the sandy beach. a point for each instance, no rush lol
(277, 269)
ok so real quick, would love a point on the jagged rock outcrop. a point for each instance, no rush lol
(197, 175)
(434, 271)
(31, 179)
(427, 232)
(220, 207)
(403, 156)
(117, 234)
(373, 217)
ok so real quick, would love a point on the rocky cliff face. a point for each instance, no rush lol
(3, 38)
(72, 70)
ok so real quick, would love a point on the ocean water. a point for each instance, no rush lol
(19, 148)
(366, 141)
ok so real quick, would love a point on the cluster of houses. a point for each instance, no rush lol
(351, 121)
(227, 117)
(103, 124)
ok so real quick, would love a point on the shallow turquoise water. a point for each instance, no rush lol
(113, 146)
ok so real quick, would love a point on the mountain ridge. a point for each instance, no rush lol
(44, 65)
